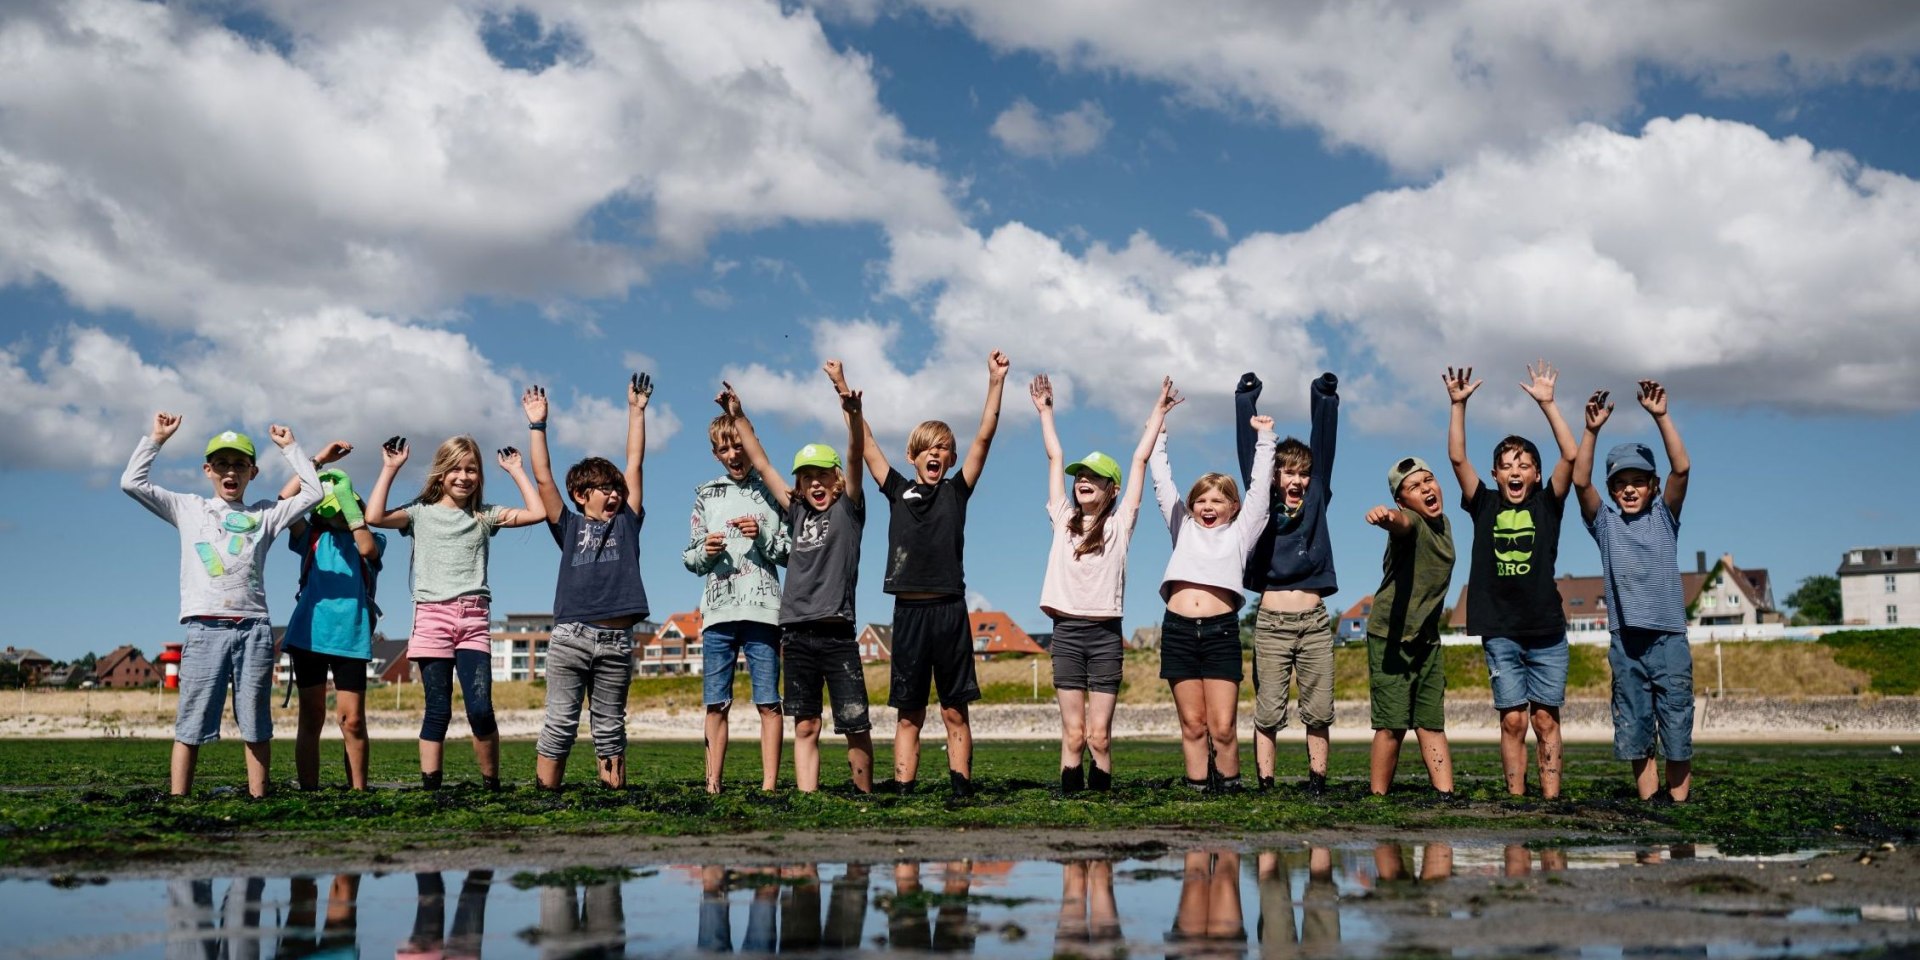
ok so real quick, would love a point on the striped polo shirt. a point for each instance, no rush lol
(1640, 557)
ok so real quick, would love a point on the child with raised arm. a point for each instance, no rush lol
(1406, 679)
(1639, 545)
(1513, 604)
(1085, 587)
(926, 553)
(825, 513)
(452, 526)
(598, 596)
(331, 630)
(1200, 635)
(223, 551)
(738, 542)
(1292, 571)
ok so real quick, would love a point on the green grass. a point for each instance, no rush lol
(99, 803)
(1890, 657)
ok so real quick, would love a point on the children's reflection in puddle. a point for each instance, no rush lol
(1089, 923)
(430, 936)
(1318, 934)
(305, 935)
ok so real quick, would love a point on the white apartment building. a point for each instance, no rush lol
(1880, 586)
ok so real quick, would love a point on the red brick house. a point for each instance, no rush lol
(876, 643)
(125, 667)
(996, 635)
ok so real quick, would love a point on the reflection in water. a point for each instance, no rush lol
(197, 932)
(586, 925)
(1209, 923)
(1393, 863)
(304, 937)
(1089, 924)
(953, 928)
(429, 918)
(1319, 930)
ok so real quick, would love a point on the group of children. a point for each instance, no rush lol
(754, 519)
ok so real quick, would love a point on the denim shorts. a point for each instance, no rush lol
(722, 643)
(1207, 648)
(817, 655)
(590, 663)
(1652, 694)
(219, 653)
(1527, 670)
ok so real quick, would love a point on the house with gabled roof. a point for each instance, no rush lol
(996, 635)
(1353, 623)
(32, 663)
(876, 643)
(1880, 586)
(674, 650)
(125, 666)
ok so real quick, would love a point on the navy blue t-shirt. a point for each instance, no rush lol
(599, 567)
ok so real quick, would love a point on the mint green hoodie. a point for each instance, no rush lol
(742, 584)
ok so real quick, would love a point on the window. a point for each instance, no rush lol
(1886, 556)
(1891, 582)
(1893, 614)
(1857, 557)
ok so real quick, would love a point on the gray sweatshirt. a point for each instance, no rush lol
(223, 545)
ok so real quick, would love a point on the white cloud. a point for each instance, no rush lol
(1215, 225)
(1024, 130)
(1742, 270)
(1424, 83)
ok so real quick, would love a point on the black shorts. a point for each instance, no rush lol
(1203, 649)
(310, 670)
(932, 641)
(816, 654)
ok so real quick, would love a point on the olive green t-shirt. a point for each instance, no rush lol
(1415, 573)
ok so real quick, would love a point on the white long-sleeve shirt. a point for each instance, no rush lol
(223, 545)
(1211, 556)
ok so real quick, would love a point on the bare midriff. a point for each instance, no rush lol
(1199, 601)
(920, 595)
(1289, 601)
(617, 623)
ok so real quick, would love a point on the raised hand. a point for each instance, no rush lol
(393, 453)
(334, 450)
(837, 375)
(850, 401)
(1540, 380)
(1169, 396)
(509, 459)
(1460, 383)
(164, 424)
(728, 400)
(1041, 390)
(639, 390)
(282, 436)
(1262, 423)
(1598, 410)
(1653, 397)
(997, 366)
(1379, 516)
(534, 401)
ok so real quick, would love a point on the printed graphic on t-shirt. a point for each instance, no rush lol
(1513, 536)
(596, 543)
(811, 534)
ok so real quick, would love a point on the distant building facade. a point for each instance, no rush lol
(672, 650)
(876, 643)
(996, 635)
(1880, 586)
(125, 667)
(1353, 623)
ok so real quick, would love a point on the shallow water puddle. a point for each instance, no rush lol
(1359, 900)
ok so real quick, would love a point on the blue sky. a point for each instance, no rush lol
(365, 221)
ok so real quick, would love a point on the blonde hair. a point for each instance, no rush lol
(839, 483)
(723, 429)
(446, 458)
(1214, 483)
(929, 434)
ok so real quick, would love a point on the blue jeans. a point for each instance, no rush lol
(476, 687)
(722, 643)
(1652, 694)
(1527, 670)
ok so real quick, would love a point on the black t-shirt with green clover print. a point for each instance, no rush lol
(1510, 591)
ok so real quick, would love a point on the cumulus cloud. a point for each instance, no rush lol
(1024, 130)
(1423, 83)
(1742, 270)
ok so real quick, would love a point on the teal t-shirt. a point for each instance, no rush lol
(332, 616)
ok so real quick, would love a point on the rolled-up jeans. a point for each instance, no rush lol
(595, 663)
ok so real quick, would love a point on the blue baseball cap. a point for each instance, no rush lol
(1629, 456)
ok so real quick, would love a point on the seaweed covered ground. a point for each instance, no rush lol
(99, 805)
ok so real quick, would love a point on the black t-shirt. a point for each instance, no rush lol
(824, 566)
(926, 535)
(1511, 592)
(599, 567)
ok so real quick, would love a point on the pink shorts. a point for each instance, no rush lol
(463, 623)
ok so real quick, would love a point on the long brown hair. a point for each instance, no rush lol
(444, 459)
(1092, 530)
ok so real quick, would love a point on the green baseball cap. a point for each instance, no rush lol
(1402, 469)
(1099, 463)
(230, 440)
(816, 455)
